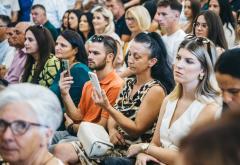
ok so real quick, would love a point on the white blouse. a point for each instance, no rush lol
(170, 137)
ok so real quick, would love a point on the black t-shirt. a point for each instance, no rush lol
(121, 27)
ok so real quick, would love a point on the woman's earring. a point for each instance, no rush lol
(200, 76)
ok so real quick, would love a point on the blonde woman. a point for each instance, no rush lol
(138, 20)
(103, 22)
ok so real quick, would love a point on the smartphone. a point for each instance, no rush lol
(65, 66)
(94, 80)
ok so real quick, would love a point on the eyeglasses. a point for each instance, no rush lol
(130, 19)
(203, 25)
(201, 40)
(18, 127)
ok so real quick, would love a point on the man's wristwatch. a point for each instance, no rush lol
(144, 147)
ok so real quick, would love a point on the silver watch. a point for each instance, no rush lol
(144, 146)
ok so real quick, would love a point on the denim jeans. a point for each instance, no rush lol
(63, 136)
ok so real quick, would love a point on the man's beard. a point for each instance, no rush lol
(100, 66)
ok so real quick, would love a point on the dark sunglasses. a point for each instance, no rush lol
(106, 40)
(97, 38)
(202, 40)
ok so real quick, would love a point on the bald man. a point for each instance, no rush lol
(17, 67)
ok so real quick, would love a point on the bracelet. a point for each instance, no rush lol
(144, 147)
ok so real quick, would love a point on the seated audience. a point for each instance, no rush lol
(41, 66)
(134, 115)
(133, 118)
(29, 115)
(227, 71)
(194, 101)
(102, 51)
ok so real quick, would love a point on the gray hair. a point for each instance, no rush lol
(43, 102)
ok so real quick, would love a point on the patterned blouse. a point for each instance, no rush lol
(129, 107)
(48, 73)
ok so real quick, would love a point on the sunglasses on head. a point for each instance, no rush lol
(202, 40)
(97, 38)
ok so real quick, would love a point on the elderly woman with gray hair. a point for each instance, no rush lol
(29, 115)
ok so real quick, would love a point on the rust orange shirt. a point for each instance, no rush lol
(111, 84)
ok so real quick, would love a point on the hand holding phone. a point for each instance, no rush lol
(66, 66)
(94, 80)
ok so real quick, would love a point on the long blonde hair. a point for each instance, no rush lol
(207, 88)
(108, 16)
